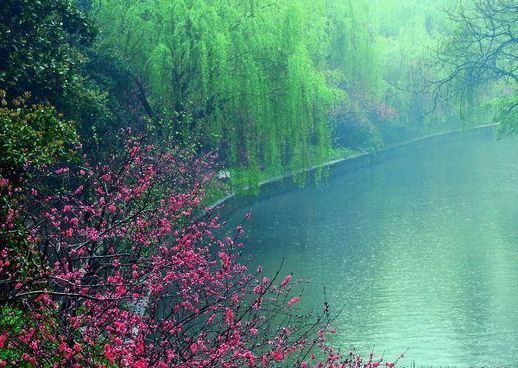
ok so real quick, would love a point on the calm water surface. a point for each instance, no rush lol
(421, 249)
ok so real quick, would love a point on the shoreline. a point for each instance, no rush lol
(285, 183)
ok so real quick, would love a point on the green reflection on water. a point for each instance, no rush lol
(421, 249)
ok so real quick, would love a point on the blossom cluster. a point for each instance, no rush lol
(123, 267)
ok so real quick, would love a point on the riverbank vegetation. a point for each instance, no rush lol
(117, 118)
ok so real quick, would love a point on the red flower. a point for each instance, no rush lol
(286, 281)
(278, 356)
(108, 353)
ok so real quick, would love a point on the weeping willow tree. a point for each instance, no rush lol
(275, 85)
(401, 34)
(353, 56)
(242, 76)
(407, 31)
(353, 50)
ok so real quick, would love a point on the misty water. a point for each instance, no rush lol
(420, 249)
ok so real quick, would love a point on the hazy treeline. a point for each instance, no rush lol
(277, 85)
(273, 86)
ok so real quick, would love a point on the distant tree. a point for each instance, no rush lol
(483, 50)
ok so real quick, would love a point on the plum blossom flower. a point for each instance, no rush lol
(293, 301)
(286, 281)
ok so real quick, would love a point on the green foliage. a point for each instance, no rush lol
(45, 49)
(10, 320)
(246, 74)
(506, 108)
(405, 32)
(276, 86)
(39, 46)
(32, 135)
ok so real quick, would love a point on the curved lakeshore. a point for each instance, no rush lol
(286, 183)
(418, 243)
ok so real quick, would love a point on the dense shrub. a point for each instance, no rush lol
(122, 267)
(32, 135)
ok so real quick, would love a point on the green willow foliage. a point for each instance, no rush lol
(245, 73)
(275, 85)
(406, 32)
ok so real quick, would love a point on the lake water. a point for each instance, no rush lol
(421, 249)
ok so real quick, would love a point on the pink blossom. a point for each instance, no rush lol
(79, 190)
(109, 354)
(93, 234)
(278, 356)
(293, 301)
(194, 348)
(141, 280)
(229, 316)
(286, 281)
